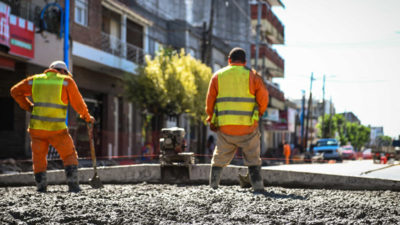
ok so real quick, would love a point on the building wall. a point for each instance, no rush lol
(91, 34)
(115, 131)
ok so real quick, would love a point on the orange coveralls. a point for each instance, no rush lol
(286, 152)
(242, 133)
(60, 139)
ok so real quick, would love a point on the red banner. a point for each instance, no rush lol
(4, 26)
(22, 37)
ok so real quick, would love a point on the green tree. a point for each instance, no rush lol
(357, 134)
(384, 140)
(341, 124)
(328, 128)
(338, 127)
(170, 84)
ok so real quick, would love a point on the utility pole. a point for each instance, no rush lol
(204, 43)
(209, 36)
(260, 122)
(206, 55)
(324, 133)
(66, 40)
(258, 33)
(309, 110)
(303, 101)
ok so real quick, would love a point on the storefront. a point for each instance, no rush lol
(17, 47)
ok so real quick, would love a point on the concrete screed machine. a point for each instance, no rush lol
(175, 162)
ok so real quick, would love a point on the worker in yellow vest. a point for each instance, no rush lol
(236, 99)
(51, 92)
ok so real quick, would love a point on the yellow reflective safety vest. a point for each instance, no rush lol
(235, 105)
(49, 112)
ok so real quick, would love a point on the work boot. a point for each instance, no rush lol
(256, 179)
(41, 182)
(71, 172)
(215, 176)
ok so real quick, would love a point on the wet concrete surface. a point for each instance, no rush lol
(196, 204)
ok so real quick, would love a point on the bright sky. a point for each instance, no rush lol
(356, 44)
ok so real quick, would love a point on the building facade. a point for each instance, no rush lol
(108, 40)
(276, 125)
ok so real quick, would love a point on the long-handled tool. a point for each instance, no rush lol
(385, 167)
(95, 182)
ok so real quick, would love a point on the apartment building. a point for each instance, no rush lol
(271, 65)
(20, 55)
(108, 40)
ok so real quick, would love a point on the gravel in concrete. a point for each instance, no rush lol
(174, 204)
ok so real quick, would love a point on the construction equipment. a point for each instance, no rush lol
(95, 182)
(172, 145)
(176, 165)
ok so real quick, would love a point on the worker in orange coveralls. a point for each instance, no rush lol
(51, 92)
(286, 152)
(236, 99)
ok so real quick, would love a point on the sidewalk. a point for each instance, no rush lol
(344, 176)
(347, 168)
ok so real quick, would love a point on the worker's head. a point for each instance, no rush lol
(61, 67)
(237, 55)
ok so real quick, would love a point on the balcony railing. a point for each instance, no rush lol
(115, 46)
(271, 54)
(274, 91)
(266, 13)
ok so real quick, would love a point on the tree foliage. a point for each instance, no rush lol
(337, 126)
(384, 140)
(327, 126)
(172, 83)
(357, 134)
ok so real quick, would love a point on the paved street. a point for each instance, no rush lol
(347, 168)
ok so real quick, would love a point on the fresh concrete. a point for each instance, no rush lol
(199, 174)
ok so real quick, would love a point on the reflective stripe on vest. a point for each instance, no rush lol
(49, 111)
(235, 105)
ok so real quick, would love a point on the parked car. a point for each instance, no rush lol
(328, 148)
(367, 154)
(347, 152)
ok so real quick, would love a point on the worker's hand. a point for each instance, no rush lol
(213, 127)
(92, 120)
(30, 109)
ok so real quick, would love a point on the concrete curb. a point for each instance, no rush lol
(199, 174)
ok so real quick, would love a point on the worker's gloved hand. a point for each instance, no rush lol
(91, 120)
(213, 127)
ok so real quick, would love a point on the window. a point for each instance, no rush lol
(157, 46)
(81, 12)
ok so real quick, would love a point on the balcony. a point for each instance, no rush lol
(274, 91)
(108, 54)
(270, 62)
(275, 3)
(271, 27)
(116, 47)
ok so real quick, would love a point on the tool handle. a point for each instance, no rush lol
(92, 150)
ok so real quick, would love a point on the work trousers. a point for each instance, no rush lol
(61, 141)
(227, 146)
